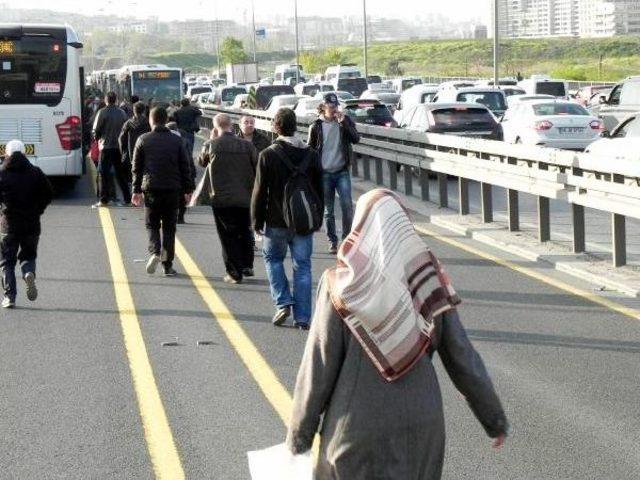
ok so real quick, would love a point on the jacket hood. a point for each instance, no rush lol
(293, 141)
(16, 162)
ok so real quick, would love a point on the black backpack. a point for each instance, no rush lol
(301, 205)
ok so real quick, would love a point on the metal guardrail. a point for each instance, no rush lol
(574, 85)
(582, 180)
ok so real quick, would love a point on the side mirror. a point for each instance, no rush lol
(605, 134)
(602, 100)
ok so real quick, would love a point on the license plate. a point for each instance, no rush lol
(571, 129)
(30, 149)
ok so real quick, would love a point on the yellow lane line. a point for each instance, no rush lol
(262, 373)
(162, 449)
(579, 292)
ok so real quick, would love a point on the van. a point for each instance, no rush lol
(622, 101)
(286, 74)
(539, 84)
(336, 72)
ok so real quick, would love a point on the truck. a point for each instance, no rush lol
(242, 73)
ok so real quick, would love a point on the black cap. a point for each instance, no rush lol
(331, 99)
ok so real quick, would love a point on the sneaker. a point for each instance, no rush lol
(8, 302)
(281, 316)
(248, 272)
(32, 291)
(99, 205)
(301, 325)
(152, 264)
(333, 248)
(169, 272)
(232, 280)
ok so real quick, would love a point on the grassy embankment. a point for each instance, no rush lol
(572, 59)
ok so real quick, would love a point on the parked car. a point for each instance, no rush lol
(307, 107)
(225, 96)
(340, 94)
(586, 93)
(417, 94)
(463, 119)
(368, 111)
(622, 101)
(374, 80)
(402, 84)
(511, 91)
(492, 98)
(387, 97)
(309, 88)
(196, 89)
(541, 84)
(264, 94)
(281, 101)
(623, 142)
(556, 124)
(355, 86)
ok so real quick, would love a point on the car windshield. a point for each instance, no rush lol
(368, 111)
(264, 94)
(427, 97)
(492, 100)
(310, 90)
(460, 116)
(545, 109)
(197, 90)
(34, 70)
(229, 94)
(551, 88)
(406, 84)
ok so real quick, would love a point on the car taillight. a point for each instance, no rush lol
(543, 125)
(597, 125)
(70, 133)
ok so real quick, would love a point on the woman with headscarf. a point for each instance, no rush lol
(380, 315)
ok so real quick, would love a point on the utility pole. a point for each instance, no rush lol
(365, 42)
(295, 13)
(496, 45)
(253, 23)
(217, 34)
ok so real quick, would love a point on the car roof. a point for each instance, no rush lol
(477, 90)
(360, 101)
(460, 105)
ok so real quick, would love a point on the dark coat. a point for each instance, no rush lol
(232, 171)
(131, 131)
(25, 193)
(108, 125)
(259, 140)
(376, 429)
(271, 178)
(187, 118)
(161, 162)
(348, 135)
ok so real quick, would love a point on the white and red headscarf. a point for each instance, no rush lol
(388, 287)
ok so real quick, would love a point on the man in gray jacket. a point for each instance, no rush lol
(231, 171)
(106, 130)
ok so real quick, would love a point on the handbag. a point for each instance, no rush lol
(94, 152)
(278, 463)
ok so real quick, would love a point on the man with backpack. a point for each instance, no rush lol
(286, 208)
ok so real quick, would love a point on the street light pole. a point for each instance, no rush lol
(215, 10)
(365, 42)
(295, 12)
(253, 22)
(496, 44)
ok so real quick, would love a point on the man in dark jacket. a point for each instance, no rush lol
(106, 130)
(25, 193)
(231, 173)
(268, 220)
(187, 117)
(160, 175)
(131, 131)
(182, 206)
(333, 135)
(248, 132)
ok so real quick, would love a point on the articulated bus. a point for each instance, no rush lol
(41, 90)
(152, 84)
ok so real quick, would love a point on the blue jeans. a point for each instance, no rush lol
(340, 183)
(274, 248)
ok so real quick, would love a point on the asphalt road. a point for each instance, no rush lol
(566, 369)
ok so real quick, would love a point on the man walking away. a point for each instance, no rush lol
(231, 170)
(182, 206)
(131, 131)
(288, 159)
(248, 132)
(187, 117)
(106, 130)
(25, 193)
(160, 175)
(332, 135)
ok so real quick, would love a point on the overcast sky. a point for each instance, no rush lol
(205, 9)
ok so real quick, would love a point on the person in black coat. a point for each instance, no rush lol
(131, 131)
(25, 193)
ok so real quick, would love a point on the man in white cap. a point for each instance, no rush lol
(25, 193)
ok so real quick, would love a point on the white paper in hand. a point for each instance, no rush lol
(278, 463)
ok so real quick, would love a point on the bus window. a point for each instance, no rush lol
(33, 70)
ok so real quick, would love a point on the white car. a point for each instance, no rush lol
(307, 108)
(281, 101)
(551, 123)
(622, 143)
(492, 98)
